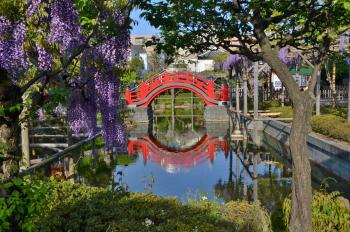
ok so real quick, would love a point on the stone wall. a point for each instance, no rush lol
(334, 157)
(216, 114)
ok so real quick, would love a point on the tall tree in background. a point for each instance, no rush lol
(258, 29)
(156, 62)
(136, 64)
(82, 44)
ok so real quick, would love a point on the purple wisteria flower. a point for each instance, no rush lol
(233, 61)
(33, 6)
(343, 42)
(12, 38)
(44, 58)
(65, 28)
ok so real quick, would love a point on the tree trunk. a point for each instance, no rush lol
(9, 135)
(300, 219)
(10, 95)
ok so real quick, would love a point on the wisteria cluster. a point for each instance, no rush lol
(97, 88)
(102, 90)
(12, 39)
(108, 92)
(64, 28)
(343, 42)
(290, 61)
(82, 111)
(44, 58)
(33, 6)
(233, 61)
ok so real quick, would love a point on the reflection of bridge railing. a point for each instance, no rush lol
(186, 158)
(206, 89)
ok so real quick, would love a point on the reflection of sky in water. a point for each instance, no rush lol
(199, 179)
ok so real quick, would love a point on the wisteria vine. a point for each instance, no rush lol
(97, 87)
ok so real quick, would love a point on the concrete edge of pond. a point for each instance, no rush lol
(332, 156)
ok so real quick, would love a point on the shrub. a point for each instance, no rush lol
(331, 125)
(329, 212)
(62, 206)
(247, 217)
(20, 208)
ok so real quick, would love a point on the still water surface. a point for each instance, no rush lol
(181, 156)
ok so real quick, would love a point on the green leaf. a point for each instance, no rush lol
(8, 185)
(17, 181)
(2, 111)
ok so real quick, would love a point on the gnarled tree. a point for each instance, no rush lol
(258, 29)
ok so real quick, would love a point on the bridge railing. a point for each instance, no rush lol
(215, 92)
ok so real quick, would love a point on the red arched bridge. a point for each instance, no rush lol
(211, 93)
(187, 158)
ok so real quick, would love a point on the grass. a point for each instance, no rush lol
(331, 125)
(286, 111)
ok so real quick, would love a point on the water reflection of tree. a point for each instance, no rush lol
(99, 171)
(233, 188)
(272, 186)
(179, 133)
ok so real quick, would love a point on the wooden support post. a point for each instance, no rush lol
(256, 89)
(318, 93)
(173, 109)
(25, 135)
(245, 96)
(282, 97)
(237, 97)
(25, 145)
(255, 180)
(245, 86)
(192, 112)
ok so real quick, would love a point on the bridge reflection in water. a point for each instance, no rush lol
(202, 159)
(174, 160)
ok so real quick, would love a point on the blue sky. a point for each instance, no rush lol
(143, 27)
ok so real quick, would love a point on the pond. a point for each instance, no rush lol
(179, 155)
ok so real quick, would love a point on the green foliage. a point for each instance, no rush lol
(136, 64)
(126, 159)
(338, 111)
(274, 107)
(268, 104)
(248, 217)
(149, 75)
(3, 149)
(329, 212)
(62, 206)
(2, 111)
(19, 209)
(13, 9)
(128, 77)
(332, 126)
(286, 111)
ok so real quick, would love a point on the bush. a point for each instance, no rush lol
(62, 206)
(332, 126)
(338, 111)
(329, 212)
(247, 217)
(21, 207)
